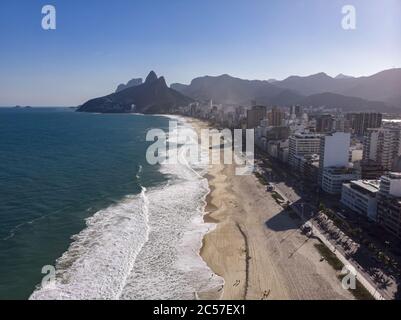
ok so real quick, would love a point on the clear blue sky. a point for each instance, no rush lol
(99, 44)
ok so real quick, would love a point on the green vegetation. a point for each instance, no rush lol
(357, 233)
(329, 256)
(261, 178)
(279, 199)
(360, 291)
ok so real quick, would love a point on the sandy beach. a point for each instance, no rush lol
(257, 247)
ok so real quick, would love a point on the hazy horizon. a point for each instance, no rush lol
(171, 82)
(98, 44)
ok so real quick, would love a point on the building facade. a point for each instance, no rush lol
(382, 145)
(334, 151)
(255, 116)
(278, 149)
(275, 117)
(324, 123)
(361, 122)
(333, 179)
(389, 203)
(371, 170)
(303, 144)
(361, 197)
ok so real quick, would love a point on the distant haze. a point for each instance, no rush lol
(379, 92)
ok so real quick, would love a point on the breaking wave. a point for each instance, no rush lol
(145, 247)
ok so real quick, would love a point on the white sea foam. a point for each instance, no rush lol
(146, 247)
(169, 265)
(101, 257)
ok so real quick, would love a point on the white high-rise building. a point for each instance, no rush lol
(383, 146)
(390, 184)
(333, 178)
(334, 152)
(361, 197)
(303, 144)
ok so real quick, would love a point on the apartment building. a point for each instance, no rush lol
(334, 151)
(324, 123)
(333, 179)
(361, 122)
(383, 146)
(275, 117)
(255, 116)
(303, 144)
(361, 197)
(389, 203)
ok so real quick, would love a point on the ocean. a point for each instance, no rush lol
(77, 193)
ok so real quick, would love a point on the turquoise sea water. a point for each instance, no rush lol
(57, 168)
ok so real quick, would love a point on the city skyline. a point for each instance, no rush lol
(96, 45)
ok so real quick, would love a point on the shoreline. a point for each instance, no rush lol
(211, 288)
(187, 274)
(256, 247)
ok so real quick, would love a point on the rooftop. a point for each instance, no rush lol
(339, 170)
(306, 135)
(369, 185)
(393, 175)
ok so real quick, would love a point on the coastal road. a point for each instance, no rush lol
(304, 203)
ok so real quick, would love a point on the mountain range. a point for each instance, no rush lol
(379, 92)
(152, 96)
(132, 83)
